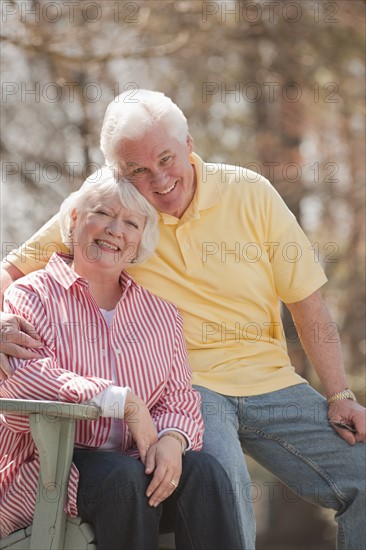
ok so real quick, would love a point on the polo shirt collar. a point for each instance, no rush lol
(59, 267)
(207, 194)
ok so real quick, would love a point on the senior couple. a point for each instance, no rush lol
(133, 360)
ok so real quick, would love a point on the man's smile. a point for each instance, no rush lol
(168, 190)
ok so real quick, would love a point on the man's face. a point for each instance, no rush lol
(159, 167)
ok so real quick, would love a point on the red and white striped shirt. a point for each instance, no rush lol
(147, 344)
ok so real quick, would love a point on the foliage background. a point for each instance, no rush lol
(277, 86)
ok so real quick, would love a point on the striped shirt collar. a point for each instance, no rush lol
(59, 267)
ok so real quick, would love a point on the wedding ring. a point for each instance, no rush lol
(174, 483)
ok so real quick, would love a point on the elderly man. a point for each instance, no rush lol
(229, 252)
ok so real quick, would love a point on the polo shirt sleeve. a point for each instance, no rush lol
(35, 252)
(297, 271)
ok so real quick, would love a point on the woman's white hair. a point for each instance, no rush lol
(131, 114)
(103, 184)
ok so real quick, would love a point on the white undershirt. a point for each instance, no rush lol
(114, 440)
(117, 395)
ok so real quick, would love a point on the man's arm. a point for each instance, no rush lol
(320, 339)
(17, 334)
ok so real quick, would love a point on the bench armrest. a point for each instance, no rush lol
(58, 409)
(52, 425)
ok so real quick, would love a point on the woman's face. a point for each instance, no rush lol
(105, 233)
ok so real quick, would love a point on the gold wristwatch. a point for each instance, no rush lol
(179, 438)
(345, 394)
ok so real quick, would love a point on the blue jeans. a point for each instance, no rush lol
(287, 431)
(111, 496)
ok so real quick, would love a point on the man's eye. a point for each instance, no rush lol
(165, 160)
(138, 171)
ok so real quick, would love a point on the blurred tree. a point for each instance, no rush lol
(274, 86)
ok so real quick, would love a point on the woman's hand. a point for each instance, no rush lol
(140, 424)
(164, 459)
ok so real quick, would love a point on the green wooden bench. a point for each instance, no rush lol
(52, 425)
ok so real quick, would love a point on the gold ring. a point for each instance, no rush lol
(174, 483)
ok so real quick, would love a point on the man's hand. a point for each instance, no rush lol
(165, 460)
(140, 424)
(348, 413)
(17, 337)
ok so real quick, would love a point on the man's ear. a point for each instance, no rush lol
(73, 218)
(190, 143)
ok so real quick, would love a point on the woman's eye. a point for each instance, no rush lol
(103, 212)
(133, 224)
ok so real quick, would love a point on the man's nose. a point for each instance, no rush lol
(159, 178)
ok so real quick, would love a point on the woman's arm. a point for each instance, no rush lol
(42, 377)
(17, 335)
(9, 274)
(177, 409)
(179, 406)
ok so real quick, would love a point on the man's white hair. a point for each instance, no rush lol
(103, 184)
(131, 114)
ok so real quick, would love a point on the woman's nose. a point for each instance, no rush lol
(115, 227)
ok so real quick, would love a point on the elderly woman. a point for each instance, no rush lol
(110, 341)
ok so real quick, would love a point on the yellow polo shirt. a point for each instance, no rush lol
(236, 252)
